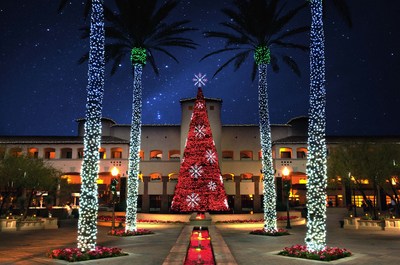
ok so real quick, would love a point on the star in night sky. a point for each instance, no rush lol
(43, 89)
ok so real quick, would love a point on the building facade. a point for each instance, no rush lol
(162, 146)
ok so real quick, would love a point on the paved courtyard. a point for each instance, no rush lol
(370, 247)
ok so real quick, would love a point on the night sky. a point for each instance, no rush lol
(43, 89)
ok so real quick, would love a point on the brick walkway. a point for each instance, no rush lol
(236, 244)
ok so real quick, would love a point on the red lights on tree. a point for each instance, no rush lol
(200, 186)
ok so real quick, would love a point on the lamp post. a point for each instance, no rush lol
(287, 186)
(113, 189)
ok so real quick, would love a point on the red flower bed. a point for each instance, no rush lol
(200, 249)
(328, 254)
(278, 232)
(122, 232)
(74, 254)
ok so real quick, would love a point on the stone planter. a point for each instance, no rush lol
(392, 225)
(30, 225)
(8, 225)
(50, 223)
(370, 225)
(351, 222)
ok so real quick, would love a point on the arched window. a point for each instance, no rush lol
(155, 176)
(49, 153)
(246, 176)
(173, 176)
(301, 153)
(227, 155)
(228, 177)
(155, 155)
(66, 153)
(174, 155)
(285, 152)
(116, 152)
(246, 155)
(16, 151)
(33, 152)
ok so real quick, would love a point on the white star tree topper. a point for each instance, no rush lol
(200, 80)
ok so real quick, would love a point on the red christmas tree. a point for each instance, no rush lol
(200, 186)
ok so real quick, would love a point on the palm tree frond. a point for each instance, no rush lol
(62, 5)
(274, 64)
(166, 52)
(153, 63)
(344, 11)
(83, 58)
(218, 51)
(254, 71)
(292, 64)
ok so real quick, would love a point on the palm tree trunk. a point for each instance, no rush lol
(316, 163)
(88, 206)
(134, 148)
(269, 192)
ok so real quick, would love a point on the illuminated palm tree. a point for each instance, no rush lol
(316, 163)
(258, 27)
(88, 204)
(138, 30)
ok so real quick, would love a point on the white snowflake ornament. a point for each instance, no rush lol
(196, 171)
(193, 200)
(212, 185)
(211, 157)
(200, 131)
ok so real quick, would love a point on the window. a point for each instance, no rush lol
(155, 203)
(141, 155)
(155, 155)
(359, 199)
(227, 155)
(102, 153)
(174, 155)
(49, 153)
(173, 176)
(80, 153)
(301, 153)
(15, 152)
(228, 177)
(66, 153)
(246, 155)
(155, 177)
(211, 107)
(246, 176)
(190, 107)
(116, 152)
(33, 152)
(285, 152)
(247, 203)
